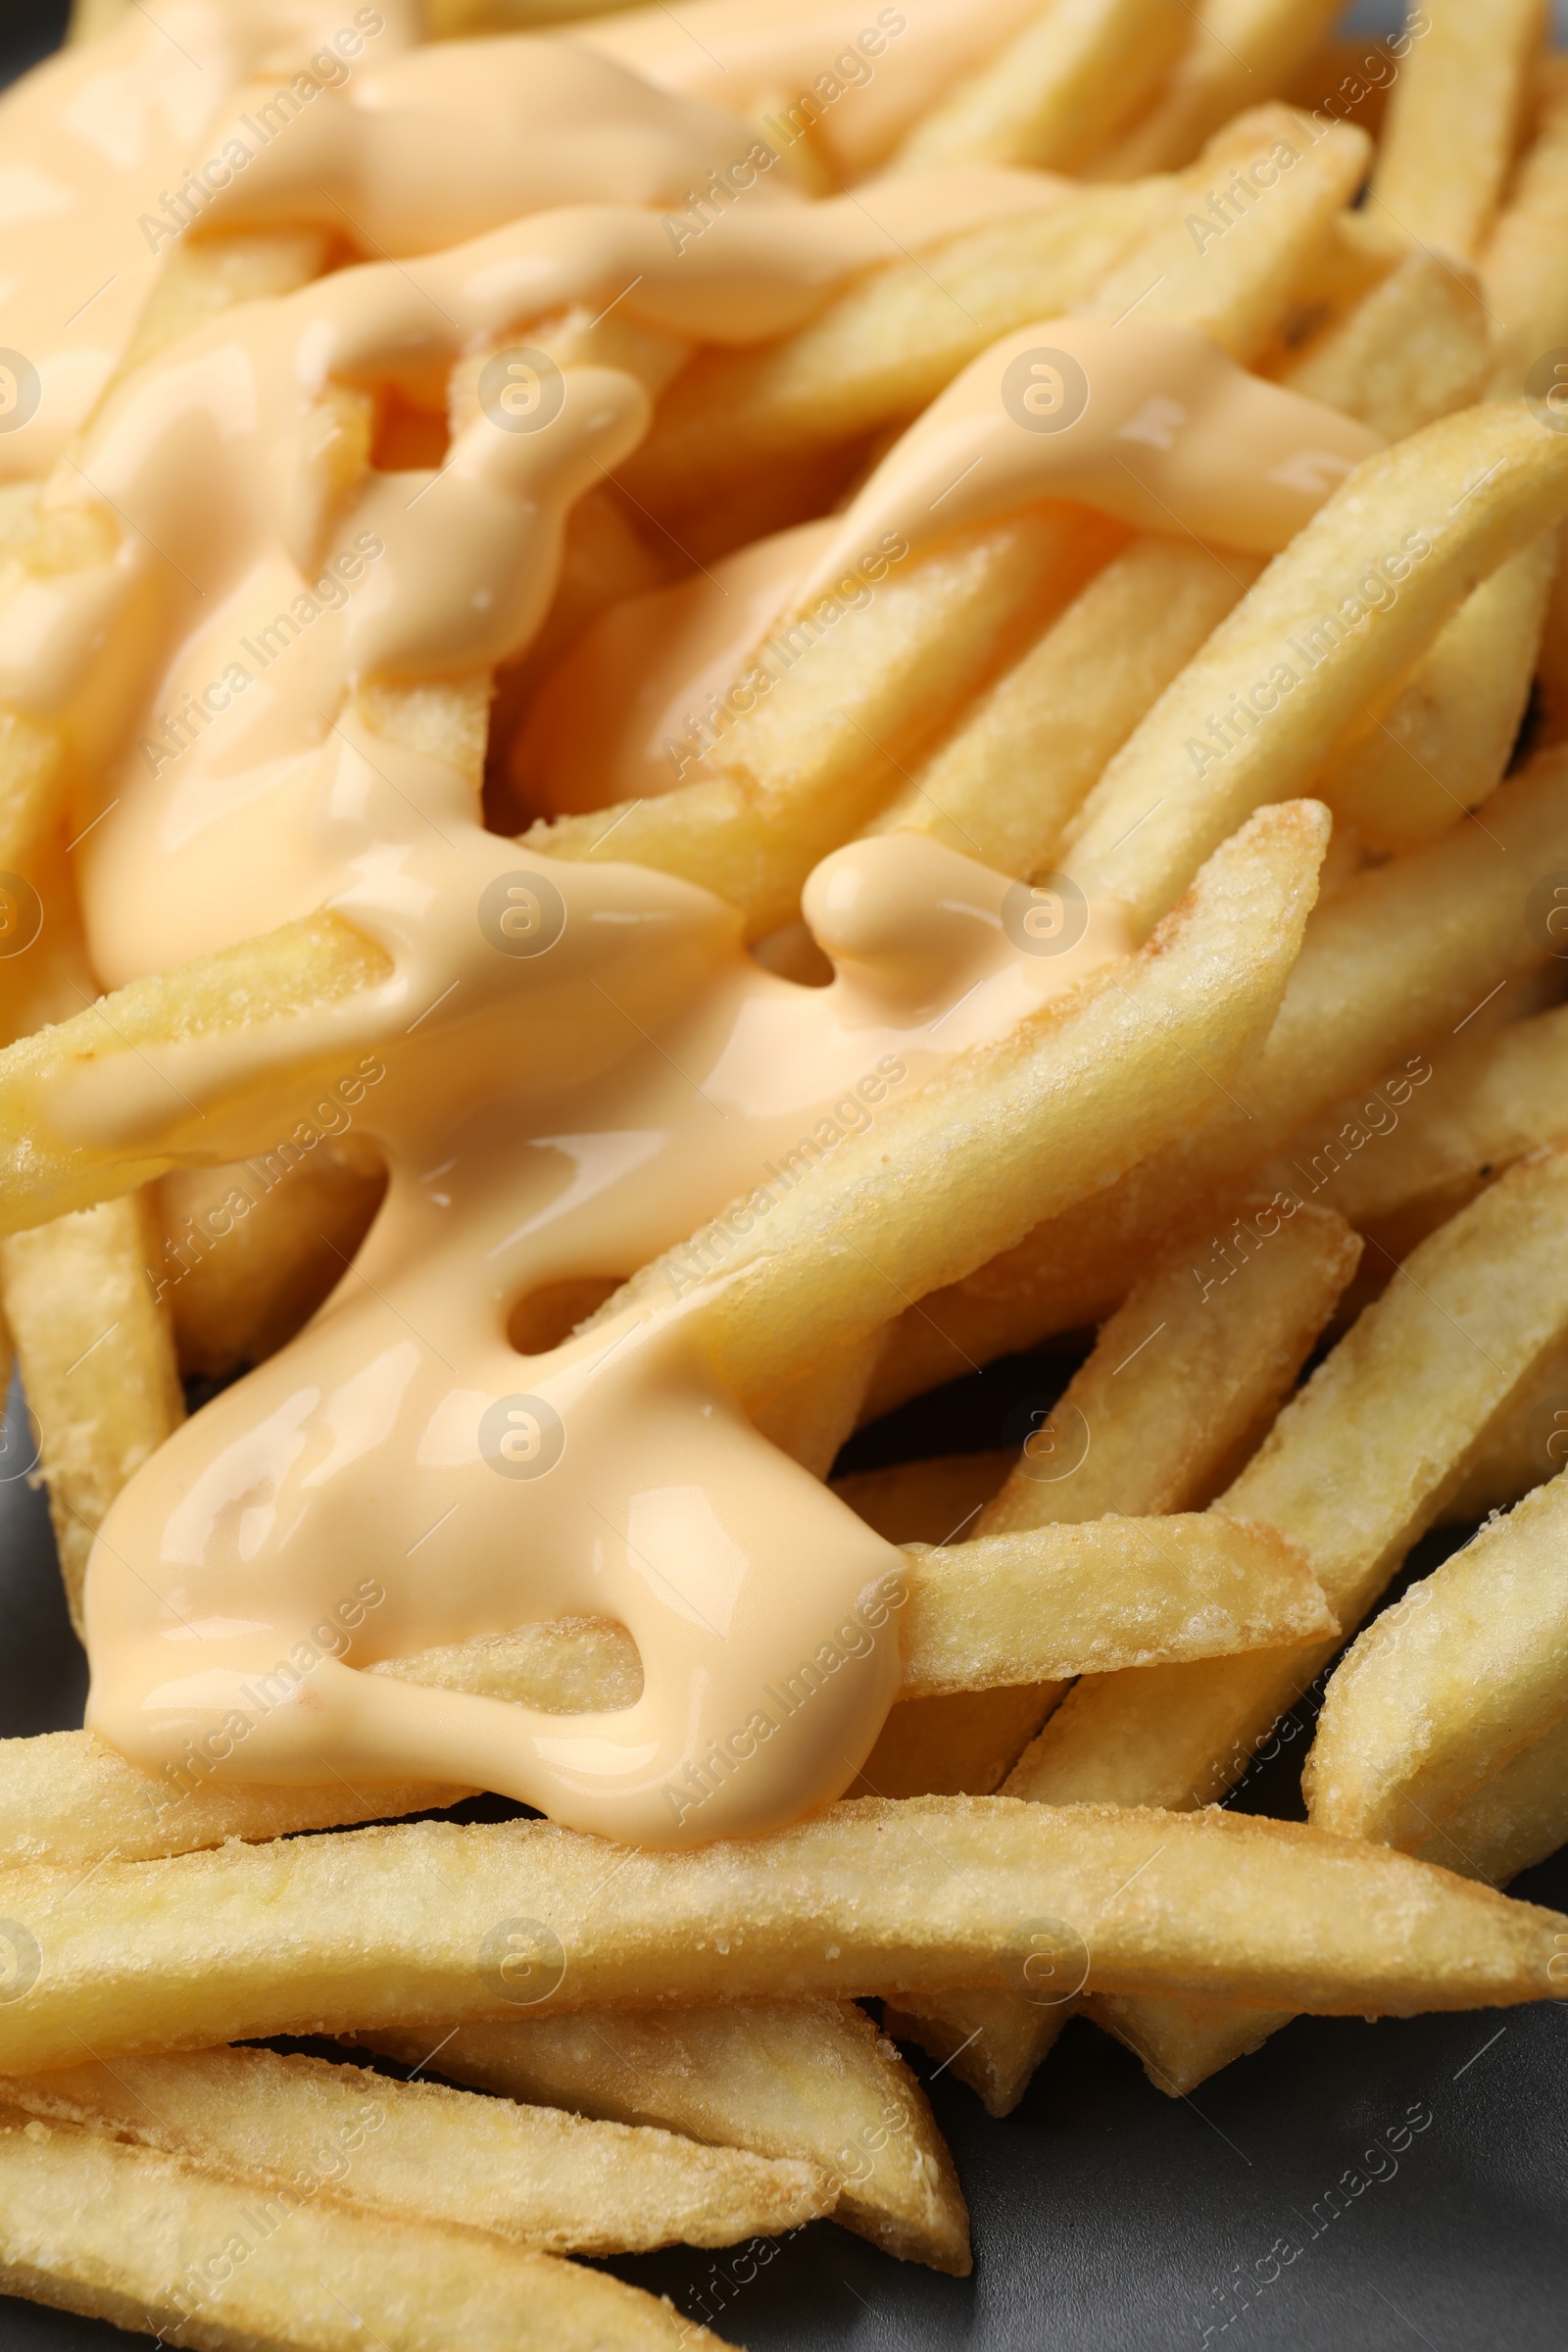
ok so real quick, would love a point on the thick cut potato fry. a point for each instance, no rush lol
(809, 2079)
(1454, 120)
(1334, 621)
(411, 1925)
(1233, 273)
(1448, 1687)
(97, 1362)
(1524, 271)
(1057, 90)
(1442, 746)
(1525, 1445)
(887, 346)
(1413, 348)
(1514, 1820)
(815, 759)
(984, 1615)
(1406, 953)
(1059, 1106)
(418, 2150)
(1242, 51)
(123, 2234)
(1015, 769)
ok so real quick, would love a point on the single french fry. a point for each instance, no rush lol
(1015, 769)
(1057, 90)
(90, 18)
(1514, 1820)
(1523, 1445)
(1242, 51)
(411, 1925)
(886, 347)
(962, 1744)
(814, 2081)
(1495, 1099)
(1443, 745)
(1230, 266)
(1446, 1687)
(1178, 1388)
(1331, 625)
(426, 2153)
(248, 1255)
(1454, 120)
(1413, 348)
(97, 1361)
(815, 758)
(1059, 1106)
(116, 2232)
(1524, 275)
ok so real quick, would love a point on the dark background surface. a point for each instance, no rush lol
(1107, 2217)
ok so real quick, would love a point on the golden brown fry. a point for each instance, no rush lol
(428, 2154)
(808, 2080)
(121, 2234)
(1409, 952)
(409, 1924)
(1334, 621)
(1242, 51)
(1056, 92)
(1448, 1687)
(1007, 781)
(1053, 1110)
(1454, 120)
(1524, 1445)
(1414, 348)
(1514, 1820)
(97, 1362)
(1524, 266)
(1443, 745)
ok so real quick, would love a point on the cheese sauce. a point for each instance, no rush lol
(567, 1067)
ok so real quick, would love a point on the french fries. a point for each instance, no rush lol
(390, 1927)
(812, 2081)
(1454, 120)
(425, 2153)
(1240, 52)
(1461, 1675)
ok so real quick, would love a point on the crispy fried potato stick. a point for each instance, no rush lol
(1514, 1820)
(1443, 745)
(1413, 348)
(425, 2153)
(1448, 1686)
(808, 2080)
(1331, 625)
(1024, 753)
(121, 2234)
(1524, 265)
(411, 1925)
(1056, 92)
(1454, 120)
(1407, 952)
(1057, 1107)
(1525, 1445)
(1178, 1388)
(1242, 51)
(97, 1362)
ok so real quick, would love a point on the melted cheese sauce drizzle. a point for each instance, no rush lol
(569, 1068)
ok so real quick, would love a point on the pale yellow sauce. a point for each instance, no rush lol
(571, 1068)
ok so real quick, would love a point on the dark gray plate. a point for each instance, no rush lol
(1279, 2208)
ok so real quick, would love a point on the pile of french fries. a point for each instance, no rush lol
(1320, 1115)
